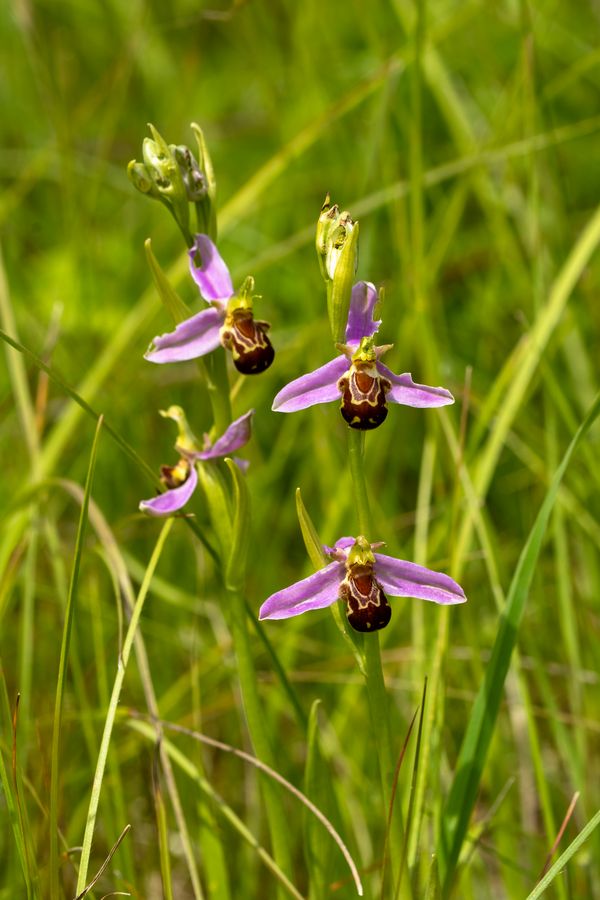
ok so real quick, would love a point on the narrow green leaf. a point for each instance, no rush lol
(163, 832)
(17, 373)
(62, 668)
(286, 684)
(408, 826)
(317, 786)
(10, 795)
(112, 709)
(564, 858)
(473, 752)
(313, 545)
(176, 308)
(235, 573)
(186, 765)
(278, 779)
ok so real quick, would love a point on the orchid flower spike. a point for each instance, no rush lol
(181, 479)
(359, 577)
(229, 320)
(358, 378)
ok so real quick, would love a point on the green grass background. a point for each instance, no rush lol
(468, 147)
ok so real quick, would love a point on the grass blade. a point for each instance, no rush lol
(273, 774)
(62, 668)
(564, 858)
(475, 745)
(114, 700)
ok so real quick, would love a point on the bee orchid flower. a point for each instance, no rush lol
(181, 479)
(361, 578)
(229, 321)
(358, 378)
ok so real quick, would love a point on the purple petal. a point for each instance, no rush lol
(212, 275)
(360, 315)
(406, 579)
(232, 439)
(319, 386)
(341, 545)
(405, 391)
(344, 543)
(314, 592)
(196, 336)
(171, 501)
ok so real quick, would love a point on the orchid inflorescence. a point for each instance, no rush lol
(357, 575)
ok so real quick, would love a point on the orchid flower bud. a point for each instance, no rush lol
(160, 177)
(337, 249)
(140, 178)
(205, 207)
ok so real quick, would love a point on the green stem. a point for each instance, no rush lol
(218, 392)
(255, 717)
(112, 709)
(375, 684)
(356, 456)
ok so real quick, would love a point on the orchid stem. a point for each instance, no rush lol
(375, 683)
(219, 393)
(356, 453)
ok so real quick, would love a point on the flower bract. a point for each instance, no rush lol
(229, 321)
(361, 578)
(181, 479)
(358, 378)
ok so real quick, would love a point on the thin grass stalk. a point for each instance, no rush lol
(62, 669)
(475, 745)
(520, 683)
(413, 795)
(26, 415)
(534, 241)
(187, 766)
(422, 516)
(564, 858)
(122, 585)
(524, 361)
(257, 729)
(152, 703)
(117, 564)
(22, 810)
(11, 800)
(566, 604)
(163, 833)
(18, 374)
(112, 710)
(418, 625)
(27, 631)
